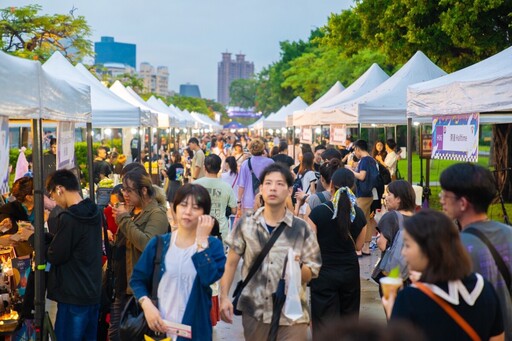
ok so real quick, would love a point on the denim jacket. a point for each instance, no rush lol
(209, 265)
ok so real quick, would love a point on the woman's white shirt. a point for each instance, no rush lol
(176, 283)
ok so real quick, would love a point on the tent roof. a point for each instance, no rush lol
(334, 91)
(108, 110)
(159, 105)
(482, 87)
(29, 92)
(386, 104)
(368, 81)
(119, 89)
(278, 120)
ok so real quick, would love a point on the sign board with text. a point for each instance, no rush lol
(338, 134)
(65, 145)
(306, 135)
(455, 137)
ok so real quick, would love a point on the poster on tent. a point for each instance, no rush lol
(65, 145)
(338, 134)
(455, 137)
(4, 154)
(306, 135)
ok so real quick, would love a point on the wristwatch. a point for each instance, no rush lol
(202, 245)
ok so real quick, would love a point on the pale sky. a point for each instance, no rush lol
(188, 36)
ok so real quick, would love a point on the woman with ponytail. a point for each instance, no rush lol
(340, 226)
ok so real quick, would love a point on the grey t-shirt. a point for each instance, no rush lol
(314, 200)
(500, 235)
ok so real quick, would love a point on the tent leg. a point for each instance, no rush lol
(40, 262)
(90, 160)
(409, 150)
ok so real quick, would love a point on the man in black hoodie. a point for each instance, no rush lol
(74, 280)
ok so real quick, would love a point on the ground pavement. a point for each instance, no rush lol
(371, 306)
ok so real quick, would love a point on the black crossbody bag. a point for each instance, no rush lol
(255, 266)
(502, 267)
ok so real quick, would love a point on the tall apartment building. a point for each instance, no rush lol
(109, 51)
(155, 81)
(228, 71)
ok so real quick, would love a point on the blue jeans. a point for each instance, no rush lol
(76, 322)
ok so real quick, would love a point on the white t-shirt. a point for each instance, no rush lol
(390, 161)
(308, 180)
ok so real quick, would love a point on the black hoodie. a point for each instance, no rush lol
(75, 256)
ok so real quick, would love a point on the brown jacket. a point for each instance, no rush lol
(150, 222)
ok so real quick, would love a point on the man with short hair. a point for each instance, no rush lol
(75, 255)
(221, 193)
(253, 165)
(282, 156)
(101, 168)
(318, 156)
(248, 239)
(391, 160)
(467, 192)
(366, 173)
(197, 167)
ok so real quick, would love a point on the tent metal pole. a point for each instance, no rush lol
(359, 130)
(139, 145)
(90, 160)
(150, 149)
(40, 262)
(409, 150)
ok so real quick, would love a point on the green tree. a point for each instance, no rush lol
(243, 93)
(27, 34)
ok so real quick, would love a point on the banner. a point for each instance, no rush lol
(4, 154)
(65, 145)
(455, 137)
(338, 134)
(306, 135)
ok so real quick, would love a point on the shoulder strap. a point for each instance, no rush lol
(321, 196)
(156, 267)
(106, 243)
(400, 219)
(450, 311)
(249, 164)
(500, 264)
(234, 181)
(257, 263)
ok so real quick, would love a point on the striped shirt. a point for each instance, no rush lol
(248, 239)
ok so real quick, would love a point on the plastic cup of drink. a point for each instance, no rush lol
(390, 284)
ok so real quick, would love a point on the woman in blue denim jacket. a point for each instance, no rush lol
(191, 262)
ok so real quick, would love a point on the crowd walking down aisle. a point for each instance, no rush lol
(236, 240)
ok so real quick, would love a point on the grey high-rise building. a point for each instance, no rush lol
(228, 71)
(156, 82)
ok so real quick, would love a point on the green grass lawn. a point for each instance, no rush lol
(436, 168)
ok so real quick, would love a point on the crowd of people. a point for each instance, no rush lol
(226, 198)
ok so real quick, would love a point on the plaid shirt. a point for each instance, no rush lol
(248, 239)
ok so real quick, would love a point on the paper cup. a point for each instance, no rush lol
(390, 284)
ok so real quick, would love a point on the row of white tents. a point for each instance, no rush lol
(419, 90)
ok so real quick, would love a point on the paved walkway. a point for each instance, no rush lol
(371, 306)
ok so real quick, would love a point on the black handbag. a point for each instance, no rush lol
(133, 325)
(255, 266)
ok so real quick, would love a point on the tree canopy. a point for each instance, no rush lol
(27, 34)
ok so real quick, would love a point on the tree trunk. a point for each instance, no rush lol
(502, 154)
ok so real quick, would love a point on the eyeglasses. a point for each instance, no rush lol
(443, 195)
(128, 190)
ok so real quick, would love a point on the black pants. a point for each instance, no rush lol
(334, 294)
(115, 316)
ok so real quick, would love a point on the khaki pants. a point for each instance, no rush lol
(255, 330)
(364, 204)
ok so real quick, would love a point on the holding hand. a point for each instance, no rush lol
(204, 227)
(6, 224)
(152, 315)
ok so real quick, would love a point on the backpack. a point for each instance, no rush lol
(384, 174)
(322, 197)
(297, 184)
(372, 180)
(255, 180)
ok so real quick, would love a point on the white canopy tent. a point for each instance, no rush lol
(30, 92)
(159, 105)
(185, 122)
(120, 90)
(334, 91)
(387, 103)
(192, 122)
(107, 109)
(163, 119)
(278, 120)
(257, 123)
(484, 87)
(368, 81)
(205, 120)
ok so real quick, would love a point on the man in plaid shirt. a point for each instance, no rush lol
(248, 239)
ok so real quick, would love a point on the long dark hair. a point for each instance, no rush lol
(233, 166)
(307, 163)
(139, 180)
(343, 178)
